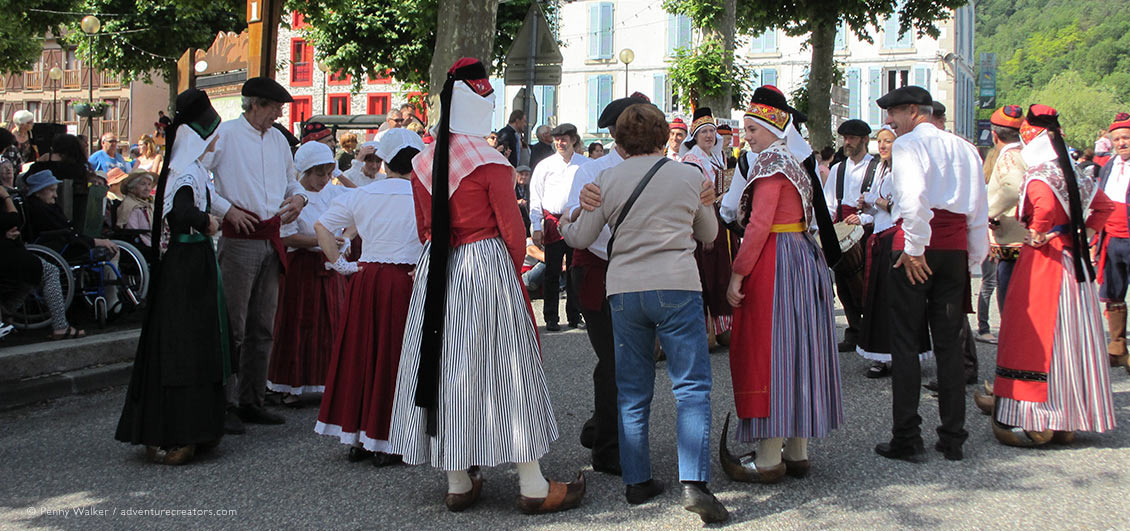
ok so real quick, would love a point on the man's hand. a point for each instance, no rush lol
(915, 267)
(853, 220)
(522, 203)
(590, 197)
(364, 152)
(213, 225)
(707, 195)
(536, 237)
(107, 244)
(244, 222)
(734, 293)
(290, 208)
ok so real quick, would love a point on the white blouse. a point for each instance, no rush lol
(385, 215)
(319, 203)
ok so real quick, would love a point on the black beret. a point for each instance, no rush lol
(564, 130)
(939, 109)
(195, 109)
(265, 87)
(854, 127)
(612, 112)
(909, 95)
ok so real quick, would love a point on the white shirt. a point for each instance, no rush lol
(587, 174)
(319, 202)
(883, 187)
(356, 176)
(385, 215)
(1118, 180)
(854, 173)
(252, 170)
(728, 208)
(936, 169)
(550, 185)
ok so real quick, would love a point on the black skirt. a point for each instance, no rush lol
(176, 392)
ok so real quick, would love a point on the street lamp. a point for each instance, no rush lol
(626, 57)
(90, 26)
(55, 74)
(325, 72)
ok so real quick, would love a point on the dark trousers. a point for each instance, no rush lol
(988, 285)
(555, 253)
(939, 299)
(605, 417)
(849, 287)
(1004, 274)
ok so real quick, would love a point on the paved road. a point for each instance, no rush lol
(60, 457)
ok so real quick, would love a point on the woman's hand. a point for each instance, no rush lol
(13, 233)
(734, 293)
(590, 197)
(107, 244)
(1036, 238)
(213, 226)
(707, 195)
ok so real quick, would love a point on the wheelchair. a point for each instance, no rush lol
(88, 274)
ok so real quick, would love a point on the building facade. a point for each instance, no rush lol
(132, 107)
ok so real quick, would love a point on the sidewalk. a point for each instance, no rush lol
(45, 370)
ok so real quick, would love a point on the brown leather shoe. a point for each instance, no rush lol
(742, 468)
(984, 399)
(460, 502)
(178, 455)
(1063, 437)
(796, 469)
(1014, 436)
(561, 497)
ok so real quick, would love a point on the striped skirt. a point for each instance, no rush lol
(804, 391)
(493, 401)
(1079, 396)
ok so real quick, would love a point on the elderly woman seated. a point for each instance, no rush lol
(136, 210)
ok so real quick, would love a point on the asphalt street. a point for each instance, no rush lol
(62, 469)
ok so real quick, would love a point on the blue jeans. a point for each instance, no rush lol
(989, 282)
(677, 317)
(1004, 275)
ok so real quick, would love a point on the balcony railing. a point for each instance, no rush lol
(72, 79)
(33, 80)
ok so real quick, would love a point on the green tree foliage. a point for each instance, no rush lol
(699, 72)
(1041, 45)
(366, 38)
(1085, 109)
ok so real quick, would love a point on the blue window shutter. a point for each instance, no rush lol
(890, 31)
(841, 36)
(606, 20)
(684, 31)
(672, 34)
(875, 115)
(549, 103)
(605, 96)
(769, 76)
(922, 76)
(771, 40)
(659, 91)
(757, 44)
(594, 31)
(593, 102)
(853, 87)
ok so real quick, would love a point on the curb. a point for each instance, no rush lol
(31, 391)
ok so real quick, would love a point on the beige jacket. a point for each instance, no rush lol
(1004, 198)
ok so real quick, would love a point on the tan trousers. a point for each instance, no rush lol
(250, 270)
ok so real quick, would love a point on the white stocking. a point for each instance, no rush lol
(458, 482)
(530, 481)
(768, 453)
(796, 449)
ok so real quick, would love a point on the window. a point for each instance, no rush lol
(766, 42)
(301, 63)
(678, 33)
(339, 104)
(600, 30)
(854, 95)
(894, 78)
(768, 76)
(300, 111)
(891, 36)
(841, 36)
(298, 21)
(659, 92)
(70, 60)
(547, 103)
(34, 108)
(339, 78)
(874, 91)
(600, 95)
(382, 78)
(377, 105)
(922, 76)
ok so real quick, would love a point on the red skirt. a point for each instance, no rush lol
(357, 404)
(310, 302)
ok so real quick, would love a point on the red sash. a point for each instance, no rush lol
(844, 211)
(550, 234)
(592, 288)
(264, 230)
(947, 233)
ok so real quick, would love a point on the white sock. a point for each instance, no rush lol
(796, 449)
(458, 482)
(530, 481)
(768, 453)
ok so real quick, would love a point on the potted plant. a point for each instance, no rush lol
(90, 109)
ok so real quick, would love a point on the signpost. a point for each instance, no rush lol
(533, 59)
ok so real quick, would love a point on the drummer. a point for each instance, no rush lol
(846, 183)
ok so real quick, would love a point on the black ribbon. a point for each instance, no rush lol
(828, 240)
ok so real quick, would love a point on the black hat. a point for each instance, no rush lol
(194, 109)
(854, 127)
(773, 97)
(265, 87)
(564, 130)
(909, 95)
(939, 109)
(700, 112)
(612, 112)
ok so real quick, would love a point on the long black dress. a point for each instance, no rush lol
(176, 392)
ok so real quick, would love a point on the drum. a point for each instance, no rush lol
(848, 235)
(850, 238)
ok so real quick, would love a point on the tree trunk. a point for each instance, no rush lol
(724, 31)
(820, 83)
(466, 28)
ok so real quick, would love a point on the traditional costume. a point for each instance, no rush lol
(549, 191)
(939, 190)
(714, 259)
(847, 181)
(783, 360)
(310, 298)
(470, 389)
(1007, 233)
(875, 332)
(175, 401)
(1114, 252)
(1052, 378)
(361, 385)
